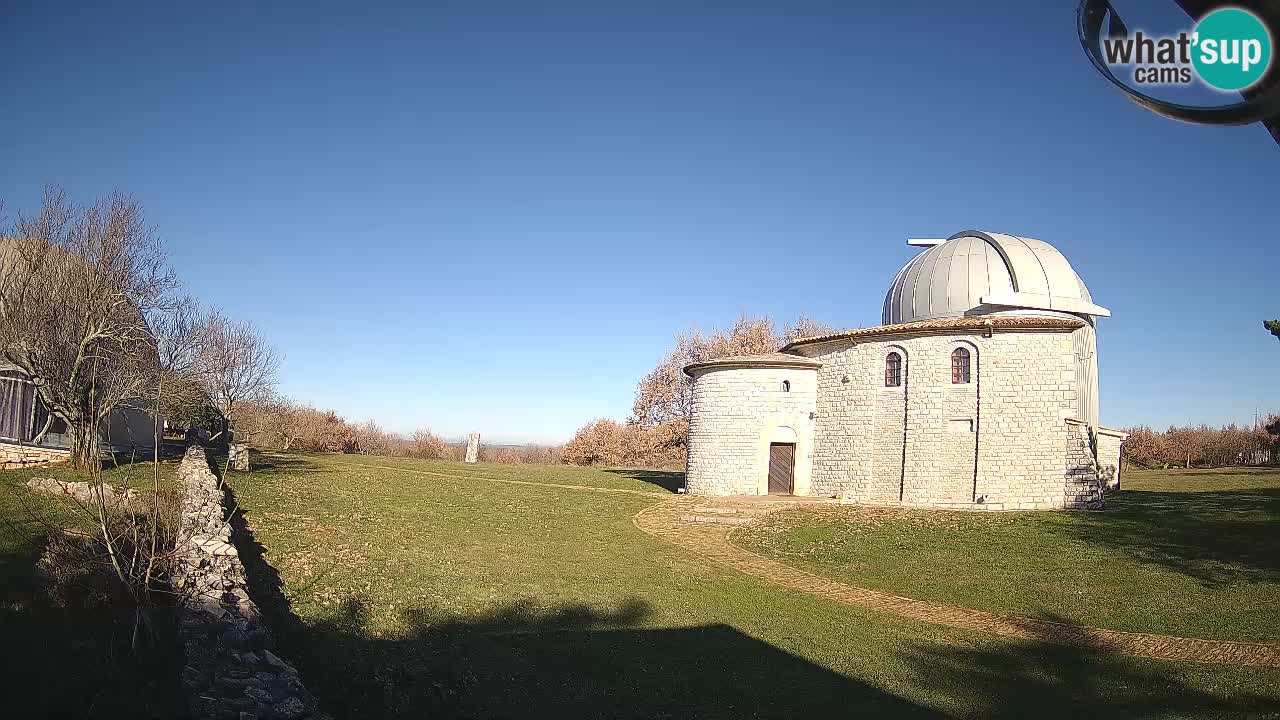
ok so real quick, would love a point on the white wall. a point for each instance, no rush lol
(737, 413)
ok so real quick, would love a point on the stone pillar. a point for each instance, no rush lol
(238, 454)
(473, 447)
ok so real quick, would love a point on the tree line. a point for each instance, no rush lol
(278, 423)
(1204, 446)
(654, 436)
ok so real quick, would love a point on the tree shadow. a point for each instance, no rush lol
(1217, 537)
(65, 659)
(1043, 679)
(274, 463)
(568, 660)
(577, 660)
(669, 480)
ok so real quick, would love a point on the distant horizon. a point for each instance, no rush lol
(498, 218)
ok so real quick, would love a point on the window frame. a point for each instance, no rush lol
(961, 374)
(893, 369)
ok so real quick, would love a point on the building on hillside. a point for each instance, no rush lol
(30, 434)
(978, 391)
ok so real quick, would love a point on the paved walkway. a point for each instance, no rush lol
(689, 523)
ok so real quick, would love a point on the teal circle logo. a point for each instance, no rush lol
(1232, 49)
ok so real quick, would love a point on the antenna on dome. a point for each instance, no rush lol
(925, 242)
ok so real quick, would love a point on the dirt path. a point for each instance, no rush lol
(711, 541)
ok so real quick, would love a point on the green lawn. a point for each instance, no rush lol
(436, 594)
(69, 661)
(1183, 552)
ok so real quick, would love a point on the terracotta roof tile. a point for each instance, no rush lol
(995, 322)
(773, 359)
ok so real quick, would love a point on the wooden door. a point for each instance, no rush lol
(782, 463)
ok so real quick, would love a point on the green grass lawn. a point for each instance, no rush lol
(436, 594)
(68, 661)
(1183, 552)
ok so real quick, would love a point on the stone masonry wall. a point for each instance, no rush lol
(1083, 489)
(1108, 444)
(1002, 430)
(737, 412)
(16, 456)
(231, 672)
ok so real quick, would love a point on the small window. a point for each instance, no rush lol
(786, 386)
(959, 366)
(893, 370)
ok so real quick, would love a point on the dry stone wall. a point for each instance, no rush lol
(231, 670)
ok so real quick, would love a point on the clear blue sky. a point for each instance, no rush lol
(496, 215)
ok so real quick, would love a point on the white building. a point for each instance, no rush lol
(979, 390)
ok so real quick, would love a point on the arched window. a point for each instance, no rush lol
(959, 366)
(786, 386)
(893, 370)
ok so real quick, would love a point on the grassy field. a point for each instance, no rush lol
(69, 661)
(409, 588)
(1182, 552)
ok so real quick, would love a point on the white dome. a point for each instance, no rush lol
(979, 273)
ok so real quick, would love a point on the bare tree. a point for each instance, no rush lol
(76, 286)
(236, 365)
(805, 327)
(371, 439)
(664, 397)
(665, 394)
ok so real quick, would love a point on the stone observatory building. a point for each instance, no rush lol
(979, 391)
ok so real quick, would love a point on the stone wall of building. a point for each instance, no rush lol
(737, 413)
(231, 672)
(996, 441)
(1108, 444)
(16, 456)
(1083, 488)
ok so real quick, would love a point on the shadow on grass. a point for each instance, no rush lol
(570, 660)
(74, 660)
(669, 480)
(1039, 678)
(1217, 537)
(277, 463)
(576, 660)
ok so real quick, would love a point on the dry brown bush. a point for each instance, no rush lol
(607, 443)
(426, 445)
(281, 424)
(1202, 446)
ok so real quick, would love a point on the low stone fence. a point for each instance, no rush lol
(231, 672)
